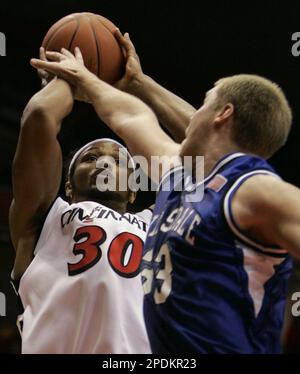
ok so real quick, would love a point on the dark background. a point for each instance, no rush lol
(185, 45)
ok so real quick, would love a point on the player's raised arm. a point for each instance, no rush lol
(37, 167)
(267, 210)
(129, 118)
(126, 115)
(173, 112)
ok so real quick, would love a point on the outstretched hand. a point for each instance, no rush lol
(133, 66)
(64, 65)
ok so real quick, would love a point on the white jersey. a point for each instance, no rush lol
(82, 292)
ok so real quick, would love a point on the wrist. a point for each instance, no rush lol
(84, 77)
(136, 84)
(89, 87)
(85, 80)
(65, 89)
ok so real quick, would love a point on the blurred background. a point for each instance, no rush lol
(184, 45)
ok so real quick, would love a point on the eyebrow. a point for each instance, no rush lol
(115, 153)
(90, 149)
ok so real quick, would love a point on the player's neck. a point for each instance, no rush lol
(214, 154)
(118, 206)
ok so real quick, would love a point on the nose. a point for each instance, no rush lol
(105, 163)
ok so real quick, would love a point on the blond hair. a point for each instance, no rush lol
(262, 115)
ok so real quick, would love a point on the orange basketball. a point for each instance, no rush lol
(93, 34)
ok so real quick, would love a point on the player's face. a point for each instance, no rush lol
(98, 166)
(200, 127)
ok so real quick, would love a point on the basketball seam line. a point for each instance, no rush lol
(97, 46)
(73, 36)
(56, 31)
(97, 19)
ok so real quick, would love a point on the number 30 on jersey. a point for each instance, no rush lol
(88, 241)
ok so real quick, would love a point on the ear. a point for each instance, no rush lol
(69, 190)
(224, 114)
(132, 197)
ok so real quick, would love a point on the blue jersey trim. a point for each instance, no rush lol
(168, 174)
(274, 252)
(222, 162)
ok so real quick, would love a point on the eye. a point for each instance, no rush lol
(89, 158)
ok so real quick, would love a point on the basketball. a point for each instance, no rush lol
(93, 34)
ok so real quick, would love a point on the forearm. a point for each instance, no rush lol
(54, 101)
(116, 108)
(131, 119)
(173, 112)
(38, 160)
